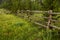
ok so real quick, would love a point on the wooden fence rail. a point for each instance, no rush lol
(36, 11)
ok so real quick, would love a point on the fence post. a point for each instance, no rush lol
(49, 18)
(48, 24)
(28, 12)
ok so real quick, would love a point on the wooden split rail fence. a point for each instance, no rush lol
(50, 12)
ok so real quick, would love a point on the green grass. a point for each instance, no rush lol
(15, 28)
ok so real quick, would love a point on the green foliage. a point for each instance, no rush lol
(15, 5)
(14, 28)
(37, 17)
